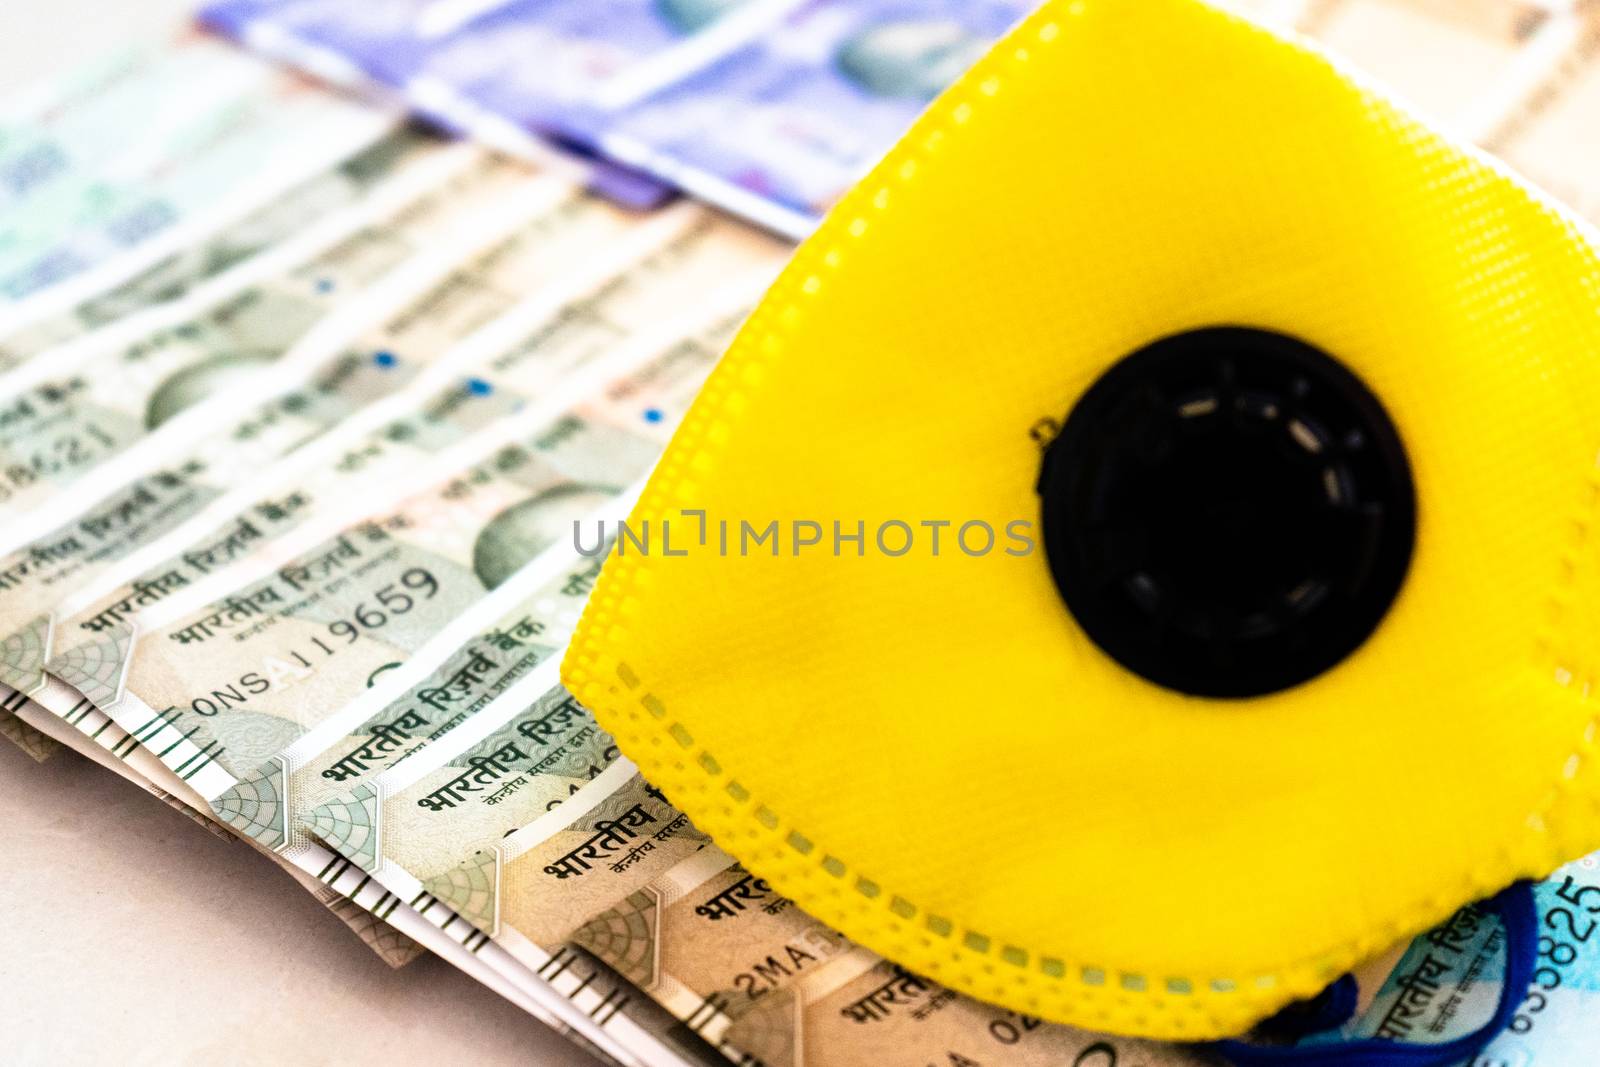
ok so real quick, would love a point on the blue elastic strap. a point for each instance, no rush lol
(1518, 916)
(1328, 1010)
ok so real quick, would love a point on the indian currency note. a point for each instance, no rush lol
(1437, 55)
(69, 127)
(526, 622)
(390, 181)
(96, 738)
(379, 925)
(309, 35)
(518, 638)
(179, 274)
(711, 942)
(616, 1026)
(241, 670)
(765, 983)
(280, 512)
(568, 1000)
(564, 747)
(702, 252)
(198, 165)
(428, 365)
(1449, 979)
(861, 1011)
(603, 55)
(604, 443)
(690, 290)
(778, 130)
(560, 741)
(570, 749)
(92, 735)
(419, 166)
(448, 802)
(367, 39)
(475, 957)
(653, 395)
(560, 745)
(617, 794)
(124, 405)
(773, 118)
(599, 54)
(333, 41)
(1547, 133)
(602, 843)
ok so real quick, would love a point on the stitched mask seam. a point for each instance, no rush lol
(1566, 673)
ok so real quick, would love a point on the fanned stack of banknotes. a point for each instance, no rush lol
(300, 404)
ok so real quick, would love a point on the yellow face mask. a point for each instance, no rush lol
(1283, 416)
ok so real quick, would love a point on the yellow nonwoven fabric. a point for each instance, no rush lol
(926, 751)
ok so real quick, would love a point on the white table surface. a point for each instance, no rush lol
(132, 936)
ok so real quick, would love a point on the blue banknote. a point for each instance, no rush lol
(544, 63)
(485, 67)
(375, 39)
(796, 117)
(532, 62)
(1449, 980)
(771, 108)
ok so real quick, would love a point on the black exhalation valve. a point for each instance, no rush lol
(1228, 512)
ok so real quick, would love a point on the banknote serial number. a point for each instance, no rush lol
(393, 600)
(391, 603)
(1568, 929)
(67, 454)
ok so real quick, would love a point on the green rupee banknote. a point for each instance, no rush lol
(533, 753)
(489, 648)
(135, 400)
(650, 398)
(280, 222)
(108, 173)
(300, 628)
(388, 927)
(603, 870)
(241, 675)
(135, 764)
(681, 261)
(493, 381)
(768, 984)
(407, 364)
